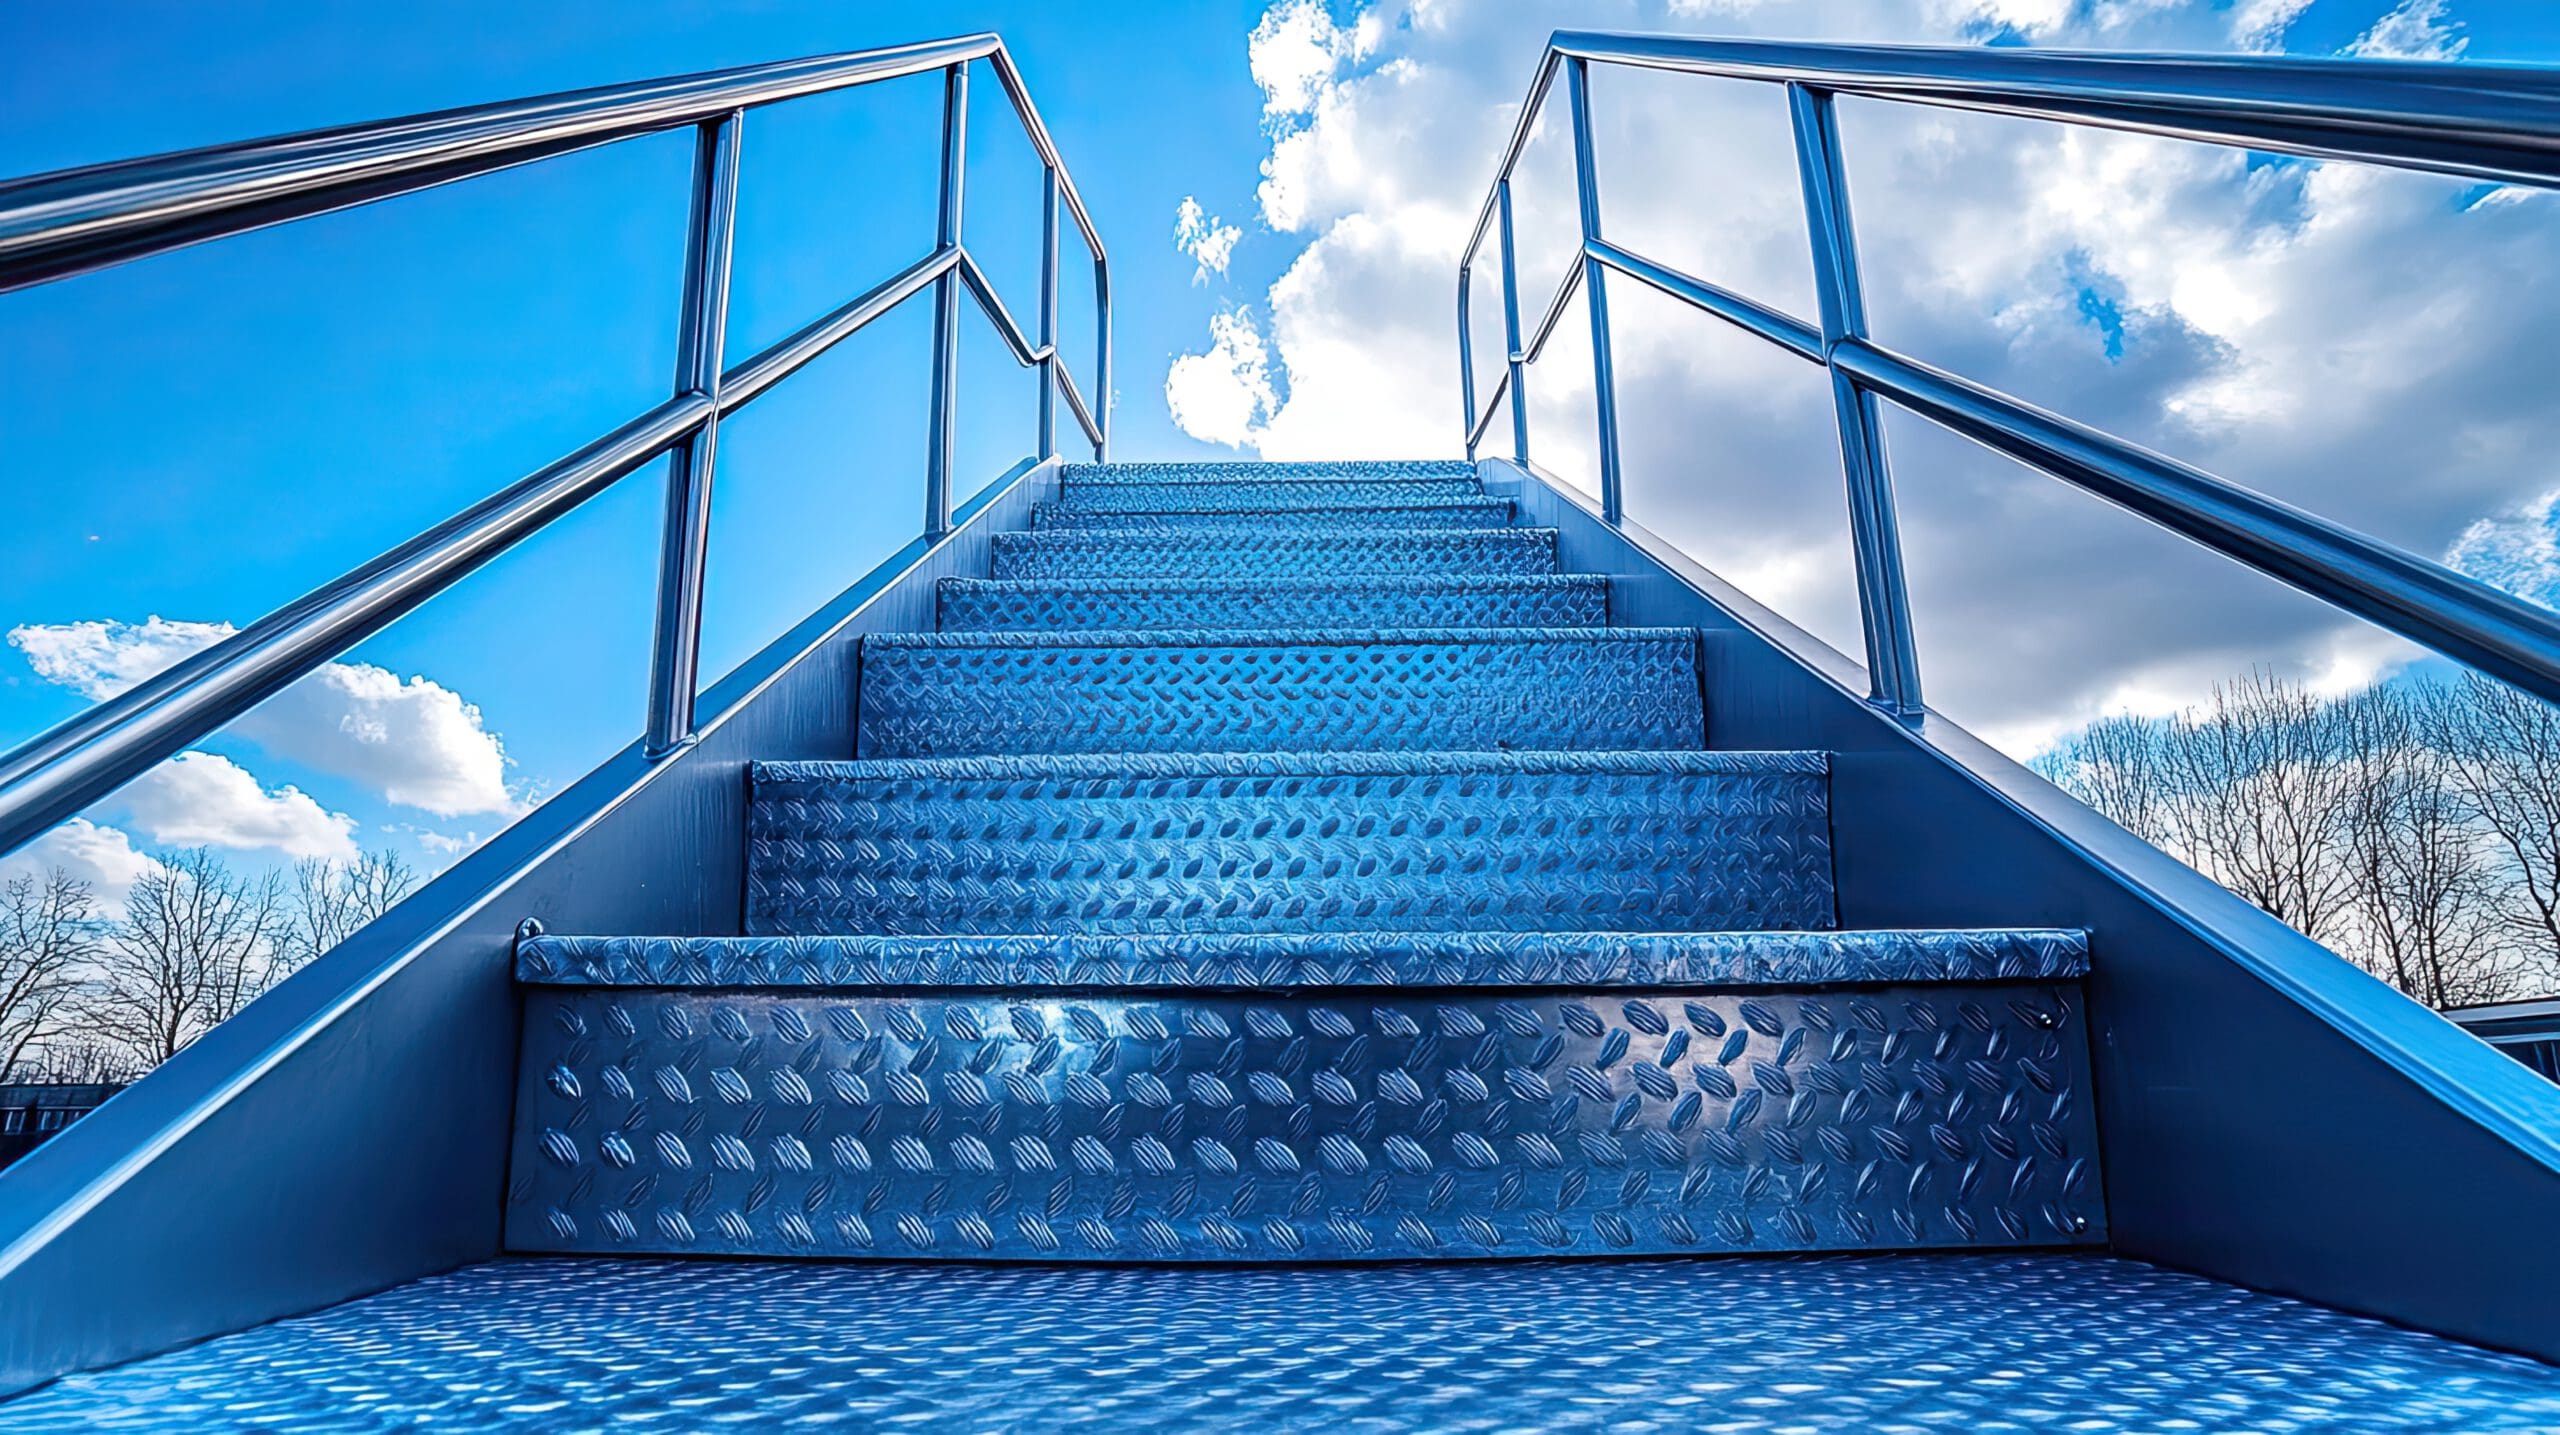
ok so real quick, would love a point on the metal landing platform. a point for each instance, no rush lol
(2084, 1344)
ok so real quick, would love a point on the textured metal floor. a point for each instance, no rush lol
(2085, 1344)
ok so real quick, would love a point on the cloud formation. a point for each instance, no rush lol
(102, 857)
(2267, 320)
(201, 798)
(1208, 241)
(410, 740)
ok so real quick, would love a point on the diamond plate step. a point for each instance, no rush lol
(1258, 553)
(1195, 495)
(1424, 601)
(969, 695)
(1099, 475)
(1191, 961)
(1413, 513)
(1308, 1126)
(1292, 842)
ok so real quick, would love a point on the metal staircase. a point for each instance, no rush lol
(1265, 945)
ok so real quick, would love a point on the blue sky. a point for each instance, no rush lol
(204, 435)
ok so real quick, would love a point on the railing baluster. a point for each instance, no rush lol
(1466, 364)
(675, 658)
(946, 306)
(1049, 312)
(1604, 383)
(1101, 398)
(1511, 328)
(1893, 664)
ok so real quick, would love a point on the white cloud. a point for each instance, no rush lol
(2415, 30)
(103, 857)
(2353, 341)
(2518, 550)
(1209, 242)
(1222, 396)
(200, 798)
(411, 740)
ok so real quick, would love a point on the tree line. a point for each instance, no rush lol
(2413, 827)
(89, 996)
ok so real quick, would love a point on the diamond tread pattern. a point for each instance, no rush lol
(986, 605)
(1243, 552)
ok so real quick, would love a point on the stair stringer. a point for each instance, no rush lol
(2269, 1114)
(348, 1131)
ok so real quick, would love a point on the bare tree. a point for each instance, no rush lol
(193, 948)
(2423, 877)
(48, 935)
(330, 900)
(79, 1061)
(2503, 748)
(2261, 799)
(2118, 765)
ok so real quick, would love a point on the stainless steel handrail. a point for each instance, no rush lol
(2499, 123)
(72, 222)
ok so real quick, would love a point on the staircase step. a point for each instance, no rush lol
(1412, 513)
(1257, 553)
(970, 605)
(1240, 471)
(1292, 842)
(974, 694)
(1251, 961)
(1325, 1125)
(1194, 495)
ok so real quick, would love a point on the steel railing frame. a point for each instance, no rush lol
(71, 222)
(2495, 123)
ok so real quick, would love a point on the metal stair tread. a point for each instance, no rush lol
(1214, 470)
(1243, 551)
(1241, 637)
(1472, 512)
(1145, 766)
(1073, 961)
(1081, 604)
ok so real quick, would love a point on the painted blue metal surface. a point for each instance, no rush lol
(968, 695)
(1189, 961)
(1404, 513)
(1253, 553)
(1321, 1126)
(1180, 492)
(1955, 1343)
(981, 605)
(1283, 842)
(1081, 478)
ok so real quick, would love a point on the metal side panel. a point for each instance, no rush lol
(1311, 1126)
(2273, 1116)
(346, 1132)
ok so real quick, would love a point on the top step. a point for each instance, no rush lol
(1221, 495)
(1077, 475)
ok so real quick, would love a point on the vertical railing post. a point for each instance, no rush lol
(946, 306)
(1466, 365)
(1604, 383)
(1100, 398)
(1511, 326)
(1048, 312)
(1893, 665)
(676, 656)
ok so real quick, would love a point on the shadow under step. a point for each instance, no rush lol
(966, 695)
(1232, 552)
(1433, 513)
(1014, 605)
(1290, 842)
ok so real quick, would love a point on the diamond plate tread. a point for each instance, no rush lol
(1744, 1345)
(1050, 605)
(1328, 1126)
(1259, 553)
(1288, 842)
(1094, 475)
(1231, 493)
(1464, 513)
(1252, 962)
(963, 695)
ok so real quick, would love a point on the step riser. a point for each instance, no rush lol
(1394, 842)
(933, 698)
(1302, 493)
(1324, 1126)
(985, 606)
(1229, 553)
(1483, 513)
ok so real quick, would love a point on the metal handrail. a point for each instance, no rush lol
(76, 221)
(2499, 123)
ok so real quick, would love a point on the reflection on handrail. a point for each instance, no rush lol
(72, 222)
(2478, 121)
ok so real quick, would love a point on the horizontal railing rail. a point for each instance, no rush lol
(2480, 122)
(77, 221)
